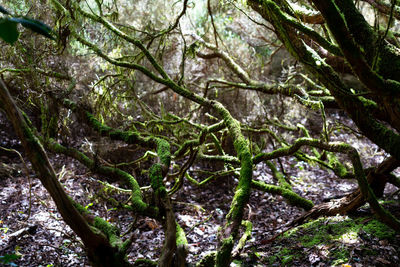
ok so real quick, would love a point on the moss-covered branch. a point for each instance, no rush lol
(175, 245)
(137, 202)
(271, 89)
(371, 127)
(384, 55)
(279, 176)
(366, 191)
(242, 192)
(164, 79)
(354, 56)
(205, 130)
(213, 176)
(100, 250)
(181, 247)
(242, 241)
(293, 198)
(52, 74)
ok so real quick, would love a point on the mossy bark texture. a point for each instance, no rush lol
(242, 191)
(100, 251)
(358, 109)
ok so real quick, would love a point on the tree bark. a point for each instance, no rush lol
(99, 250)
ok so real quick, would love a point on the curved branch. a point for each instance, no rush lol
(384, 8)
(366, 190)
(361, 68)
(100, 250)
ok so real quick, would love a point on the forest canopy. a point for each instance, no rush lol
(148, 103)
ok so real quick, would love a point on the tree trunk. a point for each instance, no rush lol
(98, 248)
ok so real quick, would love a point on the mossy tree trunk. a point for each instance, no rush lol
(99, 249)
(382, 91)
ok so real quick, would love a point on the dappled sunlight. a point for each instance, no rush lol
(207, 133)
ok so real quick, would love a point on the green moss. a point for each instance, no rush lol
(207, 260)
(338, 233)
(144, 263)
(242, 193)
(184, 147)
(272, 260)
(155, 176)
(324, 231)
(137, 201)
(246, 235)
(279, 176)
(52, 128)
(293, 198)
(109, 230)
(285, 257)
(156, 180)
(341, 255)
(379, 230)
(36, 147)
(100, 225)
(180, 236)
(164, 151)
(337, 166)
(313, 235)
(81, 209)
(96, 124)
(104, 226)
(224, 254)
(130, 137)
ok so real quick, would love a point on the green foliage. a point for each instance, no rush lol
(88, 206)
(285, 257)
(35, 26)
(9, 258)
(124, 99)
(9, 31)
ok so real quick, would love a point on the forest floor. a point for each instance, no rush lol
(32, 229)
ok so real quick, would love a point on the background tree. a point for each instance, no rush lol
(197, 82)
